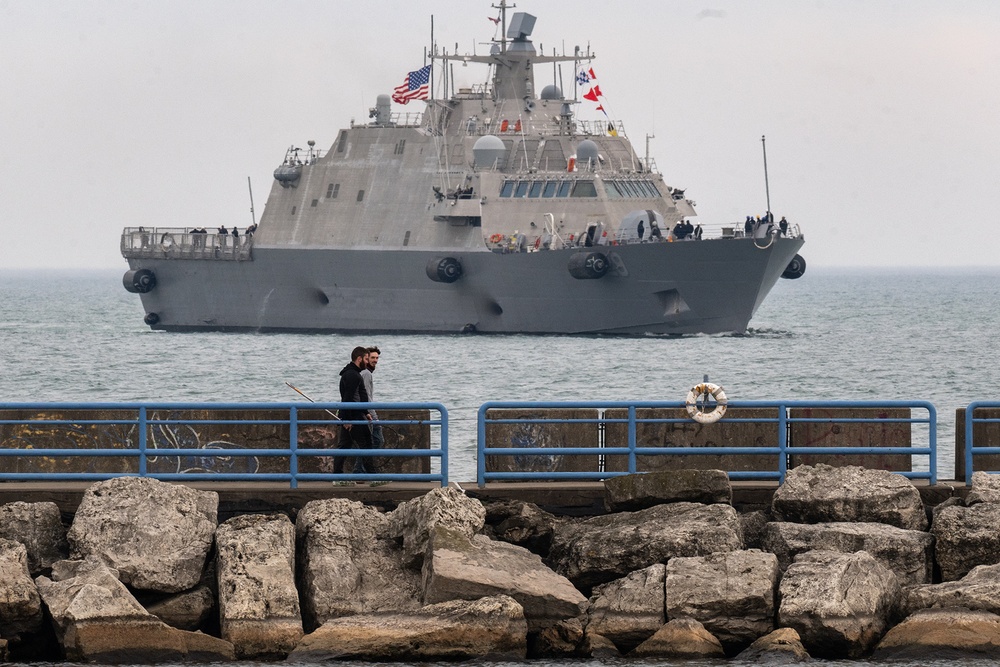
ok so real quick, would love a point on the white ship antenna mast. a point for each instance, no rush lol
(767, 188)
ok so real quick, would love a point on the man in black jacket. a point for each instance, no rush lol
(354, 436)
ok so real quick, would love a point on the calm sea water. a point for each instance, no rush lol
(831, 335)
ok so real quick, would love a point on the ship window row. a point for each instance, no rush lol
(547, 189)
(620, 189)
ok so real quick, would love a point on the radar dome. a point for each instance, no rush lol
(551, 92)
(587, 152)
(488, 150)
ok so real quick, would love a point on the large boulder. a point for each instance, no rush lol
(20, 604)
(908, 553)
(258, 601)
(630, 610)
(949, 634)
(459, 568)
(840, 604)
(628, 493)
(156, 535)
(978, 590)
(489, 628)
(603, 548)
(563, 640)
(39, 527)
(349, 564)
(985, 489)
(731, 594)
(521, 523)
(820, 493)
(681, 638)
(781, 647)
(413, 521)
(966, 537)
(97, 619)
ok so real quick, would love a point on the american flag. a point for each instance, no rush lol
(415, 86)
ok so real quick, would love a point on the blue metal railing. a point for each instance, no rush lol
(780, 450)
(970, 446)
(210, 461)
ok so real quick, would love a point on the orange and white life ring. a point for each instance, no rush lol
(496, 238)
(704, 389)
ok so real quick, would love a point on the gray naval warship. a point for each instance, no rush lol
(496, 209)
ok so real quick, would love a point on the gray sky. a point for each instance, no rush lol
(881, 117)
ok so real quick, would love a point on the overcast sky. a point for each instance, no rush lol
(883, 140)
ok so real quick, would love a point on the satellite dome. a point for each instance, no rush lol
(487, 150)
(587, 152)
(551, 92)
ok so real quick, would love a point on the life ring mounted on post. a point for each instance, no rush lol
(706, 389)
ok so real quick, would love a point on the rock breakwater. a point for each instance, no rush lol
(847, 563)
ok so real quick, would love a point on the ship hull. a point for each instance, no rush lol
(711, 286)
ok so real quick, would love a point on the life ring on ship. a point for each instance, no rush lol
(496, 238)
(720, 403)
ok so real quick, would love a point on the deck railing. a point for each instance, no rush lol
(214, 442)
(971, 449)
(780, 450)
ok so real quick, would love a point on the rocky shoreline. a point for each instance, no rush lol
(846, 563)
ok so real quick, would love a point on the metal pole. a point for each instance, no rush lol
(253, 218)
(767, 188)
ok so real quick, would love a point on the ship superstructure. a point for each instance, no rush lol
(494, 210)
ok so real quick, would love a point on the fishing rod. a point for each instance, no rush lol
(303, 395)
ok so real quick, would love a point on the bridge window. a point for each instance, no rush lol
(584, 189)
(611, 188)
(564, 188)
(536, 188)
(522, 188)
(550, 188)
(332, 190)
(507, 189)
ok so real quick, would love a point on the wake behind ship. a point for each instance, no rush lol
(495, 210)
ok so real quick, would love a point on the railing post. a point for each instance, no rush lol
(932, 440)
(293, 444)
(481, 446)
(782, 443)
(142, 440)
(969, 411)
(631, 439)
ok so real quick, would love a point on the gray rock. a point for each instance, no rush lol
(349, 564)
(413, 521)
(985, 489)
(630, 610)
(820, 493)
(628, 493)
(979, 589)
(96, 619)
(781, 647)
(908, 553)
(600, 549)
(489, 628)
(457, 568)
(731, 594)
(156, 535)
(39, 527)
(840, 604)
(258, 601)
(950, 633)
(185, 611)
(521, 523)
(966, 537)
(681, 638)
(20, 604)
(753, 525)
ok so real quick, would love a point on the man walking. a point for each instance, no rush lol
(371, 361)
(354, 436)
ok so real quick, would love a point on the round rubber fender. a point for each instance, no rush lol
(444, 269)
(795, 268)
(588, 265)
(151, 319)
(139, 281)
(705, 388)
